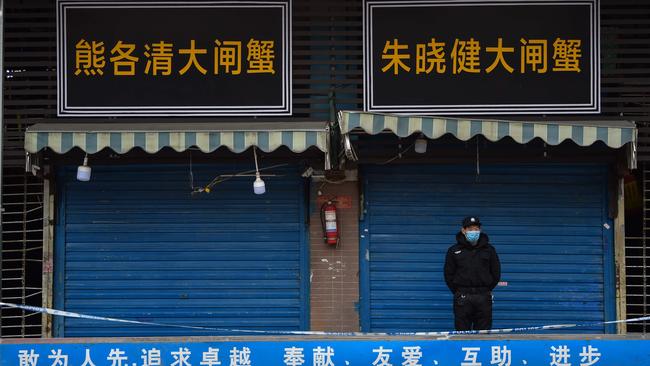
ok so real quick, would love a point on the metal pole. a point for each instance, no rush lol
(644, 253)
(2, 126)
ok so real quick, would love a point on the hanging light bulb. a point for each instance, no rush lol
(421, 144)
(258, 185)
(83, 171)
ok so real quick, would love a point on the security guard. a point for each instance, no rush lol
(472, 271)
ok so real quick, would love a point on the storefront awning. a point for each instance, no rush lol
(151, 137)
(584, 133)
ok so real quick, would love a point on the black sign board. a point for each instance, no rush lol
(481, 57)
(171, 58)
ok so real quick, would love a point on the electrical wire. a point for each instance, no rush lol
(257, 169)
(478, 160)
(398, 156)
(334, 181)
(327, 181)
(220, 178)
(191, 173)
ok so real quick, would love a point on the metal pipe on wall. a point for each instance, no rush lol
(2, 77)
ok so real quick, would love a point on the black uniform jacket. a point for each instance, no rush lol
(472, 266)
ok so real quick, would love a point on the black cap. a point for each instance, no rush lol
(471, 220)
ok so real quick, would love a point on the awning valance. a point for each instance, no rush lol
(151, 137)
(584, 133)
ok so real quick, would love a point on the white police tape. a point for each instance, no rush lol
(300, 332)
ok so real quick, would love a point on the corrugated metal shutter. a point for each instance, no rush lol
(133, 243)
(546, 222)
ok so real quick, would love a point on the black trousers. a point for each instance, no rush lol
(473, 311)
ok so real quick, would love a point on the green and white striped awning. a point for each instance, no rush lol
(584, 133)
(151, 137)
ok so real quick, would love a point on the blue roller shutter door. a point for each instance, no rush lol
(548, 223)
(133, 243)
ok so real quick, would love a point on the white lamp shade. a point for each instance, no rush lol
(83, 173)
(258, 186)
(421, 146)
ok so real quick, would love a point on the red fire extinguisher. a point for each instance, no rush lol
(330, 223)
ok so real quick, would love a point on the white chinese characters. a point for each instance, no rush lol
(399, 353)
